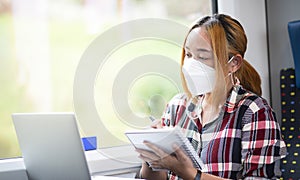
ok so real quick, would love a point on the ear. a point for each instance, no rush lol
(235, 63)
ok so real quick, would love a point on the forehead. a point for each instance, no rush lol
(198, 39)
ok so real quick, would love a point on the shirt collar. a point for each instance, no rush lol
(234, 98)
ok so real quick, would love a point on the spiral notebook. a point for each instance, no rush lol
(164, 139)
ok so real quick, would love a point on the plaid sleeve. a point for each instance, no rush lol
(262, 145)
(174, 110)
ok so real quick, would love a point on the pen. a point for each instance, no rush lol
(152, 118)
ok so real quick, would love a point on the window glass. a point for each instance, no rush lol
(41, 47)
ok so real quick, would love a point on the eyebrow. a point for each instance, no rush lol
(199, 49)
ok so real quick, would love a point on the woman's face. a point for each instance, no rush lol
(198, 47)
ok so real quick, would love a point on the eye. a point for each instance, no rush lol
(203, 58)
(189, 55)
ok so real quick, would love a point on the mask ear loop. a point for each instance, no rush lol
(231, 59)
(232, 77)
(234, 80)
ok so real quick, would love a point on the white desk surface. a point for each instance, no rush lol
(100, 164)
(109, 178)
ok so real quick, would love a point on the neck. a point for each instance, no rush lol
(206, 98)
(209, 106)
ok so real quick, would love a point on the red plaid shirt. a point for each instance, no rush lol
(246, 143)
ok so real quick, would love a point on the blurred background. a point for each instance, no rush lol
(41, 43)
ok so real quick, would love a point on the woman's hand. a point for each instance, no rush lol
(156, 124)
(177, 162)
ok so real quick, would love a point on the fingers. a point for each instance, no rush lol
(145, 158)
(179, 152)
(153, 160)
(157, 158)
(156, 165)
(147, 155)
(159, 152)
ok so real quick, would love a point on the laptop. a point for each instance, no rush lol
(51, 146)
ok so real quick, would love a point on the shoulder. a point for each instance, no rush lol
(255, 108)
(245, 99)
(254, 103)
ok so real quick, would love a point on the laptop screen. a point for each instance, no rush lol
(51, 146)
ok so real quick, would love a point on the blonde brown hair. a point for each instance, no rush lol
(227, 38)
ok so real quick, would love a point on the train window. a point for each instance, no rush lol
(45, 47)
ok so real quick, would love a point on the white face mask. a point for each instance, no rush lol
(200, 78)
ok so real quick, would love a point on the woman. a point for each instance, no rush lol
(222, 113)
